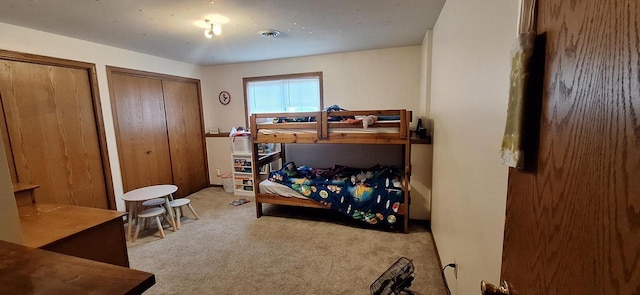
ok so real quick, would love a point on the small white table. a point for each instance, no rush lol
(148, 193)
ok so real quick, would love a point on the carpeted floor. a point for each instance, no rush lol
(289, 251)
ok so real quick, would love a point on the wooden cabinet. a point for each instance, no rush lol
(159, 130)
(90, 233)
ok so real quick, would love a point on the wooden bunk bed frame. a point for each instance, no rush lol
(323, 126)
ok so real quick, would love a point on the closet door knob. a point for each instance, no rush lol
(147, 152)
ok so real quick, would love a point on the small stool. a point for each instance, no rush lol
(151, 212)
(177, 204)
(158, 202)
(153, 202)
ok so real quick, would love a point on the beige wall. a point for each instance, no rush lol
(470, 78)
(422, 154)
(37, 42)
(385, 78)
(425, 73)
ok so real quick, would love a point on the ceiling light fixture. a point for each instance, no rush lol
(217, 29)
(213, 29)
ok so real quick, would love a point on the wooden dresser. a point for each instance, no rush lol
(90, 233)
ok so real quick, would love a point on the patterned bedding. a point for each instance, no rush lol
(372, 195)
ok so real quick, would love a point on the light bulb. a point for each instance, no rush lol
(208, 33)
(217, 29)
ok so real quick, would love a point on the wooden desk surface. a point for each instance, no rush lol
(43, 224)
(26, 270)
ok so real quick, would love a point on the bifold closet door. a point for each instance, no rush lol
(186, 138)
(51, 133)
(141, 130)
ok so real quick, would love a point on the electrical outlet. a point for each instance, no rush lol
(218, 172)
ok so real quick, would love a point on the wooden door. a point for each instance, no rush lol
(51, 133)
(186, 136)
(141, 130)
(573, 226)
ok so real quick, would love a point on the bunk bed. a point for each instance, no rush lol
(390, 127)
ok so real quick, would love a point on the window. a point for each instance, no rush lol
(283, 93)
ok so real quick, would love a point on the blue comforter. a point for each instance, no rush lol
(372, 195)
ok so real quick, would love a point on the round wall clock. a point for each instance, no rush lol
(224, 97)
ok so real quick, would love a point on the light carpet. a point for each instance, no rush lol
(290, 250)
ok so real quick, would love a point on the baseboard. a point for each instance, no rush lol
(435, 247)
(422, 222)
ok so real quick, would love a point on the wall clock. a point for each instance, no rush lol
(224, 97)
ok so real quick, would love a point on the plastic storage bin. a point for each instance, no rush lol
(241, 144)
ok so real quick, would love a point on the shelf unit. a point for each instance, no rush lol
(242, 174)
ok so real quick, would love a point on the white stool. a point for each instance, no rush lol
(151, 212)
(158, 202)
(177, 205)
(153, 202)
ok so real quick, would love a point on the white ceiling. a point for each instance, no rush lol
(174, 28)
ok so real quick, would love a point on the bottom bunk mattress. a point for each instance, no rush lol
(270, 187)
(372, 195)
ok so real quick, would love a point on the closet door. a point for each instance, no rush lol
(186, 137)
(51, 134)
(141, 130)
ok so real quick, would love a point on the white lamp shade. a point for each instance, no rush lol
(217, 29)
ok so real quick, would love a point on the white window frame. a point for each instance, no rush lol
(287, 77)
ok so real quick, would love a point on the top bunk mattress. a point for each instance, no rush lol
(264, 129)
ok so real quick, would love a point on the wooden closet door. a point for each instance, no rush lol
(186, 136)
(141, 131)
(52, 133)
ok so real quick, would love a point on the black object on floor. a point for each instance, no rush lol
(396, 279)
